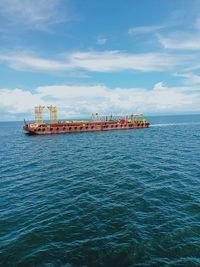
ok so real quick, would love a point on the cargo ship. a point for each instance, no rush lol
(97, 123)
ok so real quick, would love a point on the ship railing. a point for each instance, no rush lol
(117, 117)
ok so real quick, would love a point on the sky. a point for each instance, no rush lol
(103, 56)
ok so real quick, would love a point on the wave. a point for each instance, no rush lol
(174, 124)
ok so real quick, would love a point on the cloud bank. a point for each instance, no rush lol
(75, 101)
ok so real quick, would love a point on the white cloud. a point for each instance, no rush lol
(106, 61)
(189, 78)
(145, 29)
(118, 61)
(18, 100)
(37, 14)
(27, 62)
(180, 41)
(101, 40)
(84, 100)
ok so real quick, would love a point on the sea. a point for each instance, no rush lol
(101, 199)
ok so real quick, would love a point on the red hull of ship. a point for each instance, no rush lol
(64, 128)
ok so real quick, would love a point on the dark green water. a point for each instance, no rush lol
(118, 198)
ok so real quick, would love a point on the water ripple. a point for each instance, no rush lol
(121, 198)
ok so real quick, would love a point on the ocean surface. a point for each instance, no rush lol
(117, 198)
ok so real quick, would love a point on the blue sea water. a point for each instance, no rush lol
(117, 198)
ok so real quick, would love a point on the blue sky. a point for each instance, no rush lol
(99, 56)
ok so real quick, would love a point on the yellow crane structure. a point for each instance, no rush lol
(38, 114)
(53, 114)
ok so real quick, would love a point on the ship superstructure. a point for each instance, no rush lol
(97, 123)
